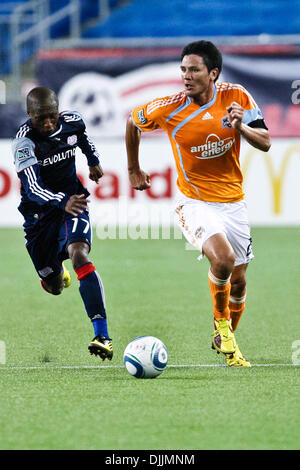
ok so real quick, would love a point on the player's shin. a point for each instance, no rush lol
(220, 292)
(223, 337)
(237, 307)
(92, 293)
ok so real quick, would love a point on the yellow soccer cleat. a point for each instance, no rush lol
(237, 359)
(101, 346)
(66, 276)
(223, 337)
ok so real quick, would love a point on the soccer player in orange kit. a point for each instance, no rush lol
(205, 123)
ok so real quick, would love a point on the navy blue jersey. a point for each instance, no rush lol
(46, 165)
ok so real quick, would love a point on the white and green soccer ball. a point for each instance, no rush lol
(145, 357)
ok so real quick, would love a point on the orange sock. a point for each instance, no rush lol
(220, 292)
(236, 306)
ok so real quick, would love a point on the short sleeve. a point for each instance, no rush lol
(251, 110)
(143, 120)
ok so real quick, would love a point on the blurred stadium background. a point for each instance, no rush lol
(103, 57)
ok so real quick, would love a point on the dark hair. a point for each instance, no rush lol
(208, 51)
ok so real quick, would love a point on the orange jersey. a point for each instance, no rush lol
(205, 146)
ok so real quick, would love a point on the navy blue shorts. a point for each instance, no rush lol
(49, 235)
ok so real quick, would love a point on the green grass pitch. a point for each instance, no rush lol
(54, 395)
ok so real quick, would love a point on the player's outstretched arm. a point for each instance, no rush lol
(257, 137)
(137, 177)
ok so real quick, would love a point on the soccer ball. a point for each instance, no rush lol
(145, 357)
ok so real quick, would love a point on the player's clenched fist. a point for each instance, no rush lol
(96, 173)
(235, 115)
(139, 180)
(76, 204)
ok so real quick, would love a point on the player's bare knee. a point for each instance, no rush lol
(78, 253)
(79, 258)
(223, 264)
(238, 287)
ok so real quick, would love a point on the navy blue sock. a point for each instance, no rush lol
(92, 293)
(100, 327)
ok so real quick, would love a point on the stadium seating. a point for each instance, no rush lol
(172, 18)
(89, 11)
(199, 18)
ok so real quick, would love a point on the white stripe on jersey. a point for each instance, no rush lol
(38, 190)
(101, 288)
(223, 86)
(164, 102)
(32, 188)
(71, 116)
(59, 196)
(91, 144)
(23, 131)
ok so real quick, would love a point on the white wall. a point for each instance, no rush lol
(272, 184)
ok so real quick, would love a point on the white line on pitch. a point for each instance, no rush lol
(121, 366)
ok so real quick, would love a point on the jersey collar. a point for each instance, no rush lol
(56, 132)
(210, 103)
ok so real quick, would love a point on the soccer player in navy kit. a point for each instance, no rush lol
(54, 204)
